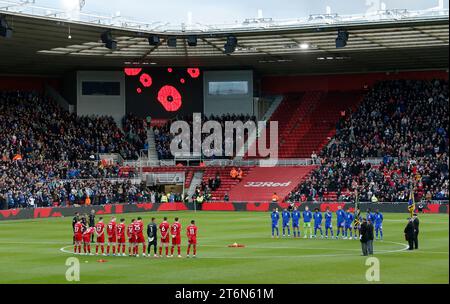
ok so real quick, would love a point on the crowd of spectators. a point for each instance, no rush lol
(387, 182)
(400, 118)
(32, 126)
(402, 122)
(163, 136)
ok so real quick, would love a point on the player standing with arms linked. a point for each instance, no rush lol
(77, 236)
(100, 231)
(175, 231)
(164, 230)
(275, 216)
(191, 232)
(340, 215)
(348, 224)
(74, 221)
(328, 223)
(317, 222)
(87, 240)
(138, 227)
(286, 216)
(130, 234)
(296, 222)
(307, 216)
(378, 224)
(112, 236)
(121, 237)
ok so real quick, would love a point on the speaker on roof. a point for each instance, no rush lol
(153, 40)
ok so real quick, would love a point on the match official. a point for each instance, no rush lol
(92, 223)
(409, 233)
(364, 237)
(152, 234)
(416, 231)
(370, 237)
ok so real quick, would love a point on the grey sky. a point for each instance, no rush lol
(229, 11)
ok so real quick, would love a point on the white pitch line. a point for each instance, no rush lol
(405, 247)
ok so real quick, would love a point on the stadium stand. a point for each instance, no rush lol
(402, 122)
(308, 120)
(405, 123)
(33, 126)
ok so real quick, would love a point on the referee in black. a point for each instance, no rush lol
(416, 231)
(152, 233)
(92, 223)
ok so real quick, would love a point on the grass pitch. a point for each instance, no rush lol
(33, 251)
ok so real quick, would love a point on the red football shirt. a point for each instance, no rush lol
(89, 231)
(130, 230)
(120, 230)
(100, 228)
(175, 229)
(191, 231)
(77, 229)
(111, 228)
(138, 227)
(164, 228)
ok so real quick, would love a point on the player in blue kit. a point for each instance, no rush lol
(318, 222)
(286, 216)
(328, 224)
(307, 216)
(275, 216)
(340, 215)
(378, 224)
(295, 222)
(370, 216)
(348, 224)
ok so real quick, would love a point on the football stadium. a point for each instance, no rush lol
(303, 150)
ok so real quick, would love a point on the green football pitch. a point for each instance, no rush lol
(35, 251)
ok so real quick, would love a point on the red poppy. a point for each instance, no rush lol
(132, 71)
(170, 98)
(193, 72)
(139, 90)
(146, 80)
(182, 80)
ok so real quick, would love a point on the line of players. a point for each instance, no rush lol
(117, 233)
(348, 223)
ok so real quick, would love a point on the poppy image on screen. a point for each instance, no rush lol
(163, 92)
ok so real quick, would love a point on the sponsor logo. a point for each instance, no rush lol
(267, 184)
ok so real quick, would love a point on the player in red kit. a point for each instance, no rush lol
(77, 236)
(87, 240)
(164, 230)
(138, 227)
(130, 234)
(100, 231)
(191, 233)
(121, 237)
(175, 231)
(112, 236)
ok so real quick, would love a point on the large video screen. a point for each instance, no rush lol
(163, 92)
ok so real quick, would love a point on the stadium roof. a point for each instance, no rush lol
(391, 40)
